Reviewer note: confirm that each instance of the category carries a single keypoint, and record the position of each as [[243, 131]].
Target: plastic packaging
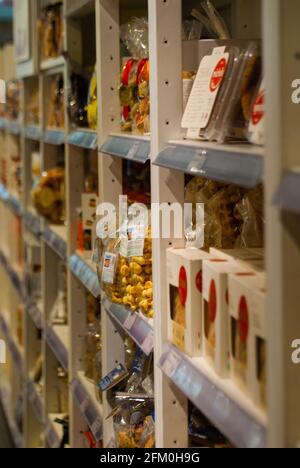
[[231, 113], [32, 110], [251, 211], [135, 36], [49, 195], [50, 27], [12, 107], [56, 113]]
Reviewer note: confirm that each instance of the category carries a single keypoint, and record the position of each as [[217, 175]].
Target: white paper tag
[[171, 364], [109, 267], [148, 344], [207, 84], [2, 92], [130, 321]]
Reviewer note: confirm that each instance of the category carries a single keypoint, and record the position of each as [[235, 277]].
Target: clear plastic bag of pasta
[[250, 210]]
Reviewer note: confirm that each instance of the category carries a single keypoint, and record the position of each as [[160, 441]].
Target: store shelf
[[240, 164], [83, 139], [13, 346], [131, 147], [80, 8], [15, 433], [56, 238], [14, 274], [54, 137], [33, 133], [225, 405], [11, 201], [35, 313], [52, 64], [84, 392], [35, 400], [136, 326], [13, 127], [288, 195], [86, 273], [54, 431], [57, 337], [33, 223]]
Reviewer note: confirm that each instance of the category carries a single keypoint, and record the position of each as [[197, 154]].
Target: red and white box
[[248, 356], [185, 286], [216, 312]]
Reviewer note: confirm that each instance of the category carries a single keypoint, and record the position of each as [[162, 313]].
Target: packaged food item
[[13, 93], [92, 103], [77, 101], [126, 278], [92, 309], [49, 195], [184, 290], [248, 340], [216, 312], [51, 31], [202, 433], [250, 210], [32, 108], [56, 112], [211, 20], [36, 165], [134, 422], [219, 105], [256, 129], [89, 202]]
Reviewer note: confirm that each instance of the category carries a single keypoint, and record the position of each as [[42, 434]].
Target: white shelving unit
[[177, 377]]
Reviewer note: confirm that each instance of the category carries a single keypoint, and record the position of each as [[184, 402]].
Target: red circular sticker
[[212, 302], [183, 286], [243, 320], [218, 75], [258, 108], [199, 282]]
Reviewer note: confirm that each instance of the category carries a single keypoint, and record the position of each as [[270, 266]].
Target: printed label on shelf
[[83, 139], [130, 321], [133, 150], [51, 436], [171, 363], [96, 429], [148, 344]]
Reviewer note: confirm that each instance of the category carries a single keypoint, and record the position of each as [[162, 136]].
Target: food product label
[[183, 286], [212, 302], [109, 267], [257, 120], [207, 84], [132, 244], [243, 320], [178, 336]]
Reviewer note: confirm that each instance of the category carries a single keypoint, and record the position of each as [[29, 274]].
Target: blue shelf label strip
[[83, 139], [288, 194], [56, 243], [242, 169], [33, 133], [84, 273], [54, 137], [127, 148]]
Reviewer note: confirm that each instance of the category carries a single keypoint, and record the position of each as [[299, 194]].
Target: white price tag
[[2, 92], [148, 344], [130, 321], [84, 405], [96, 427], [171, 364]]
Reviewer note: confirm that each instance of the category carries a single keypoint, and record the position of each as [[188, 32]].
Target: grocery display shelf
[[86, 139], [33, 133], [84, 392], [13, 347], [14, 276], [11, 201], [240, 164], [57, 337], [131, 147], [56, 238], [13, 127], [14, 430], [54, 137], [54, 431], [80, 8], [33, 223], [135, 325], [225, 405], [86, 273], [35, 400], [287, 196], [35, 313], [52, 64]]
